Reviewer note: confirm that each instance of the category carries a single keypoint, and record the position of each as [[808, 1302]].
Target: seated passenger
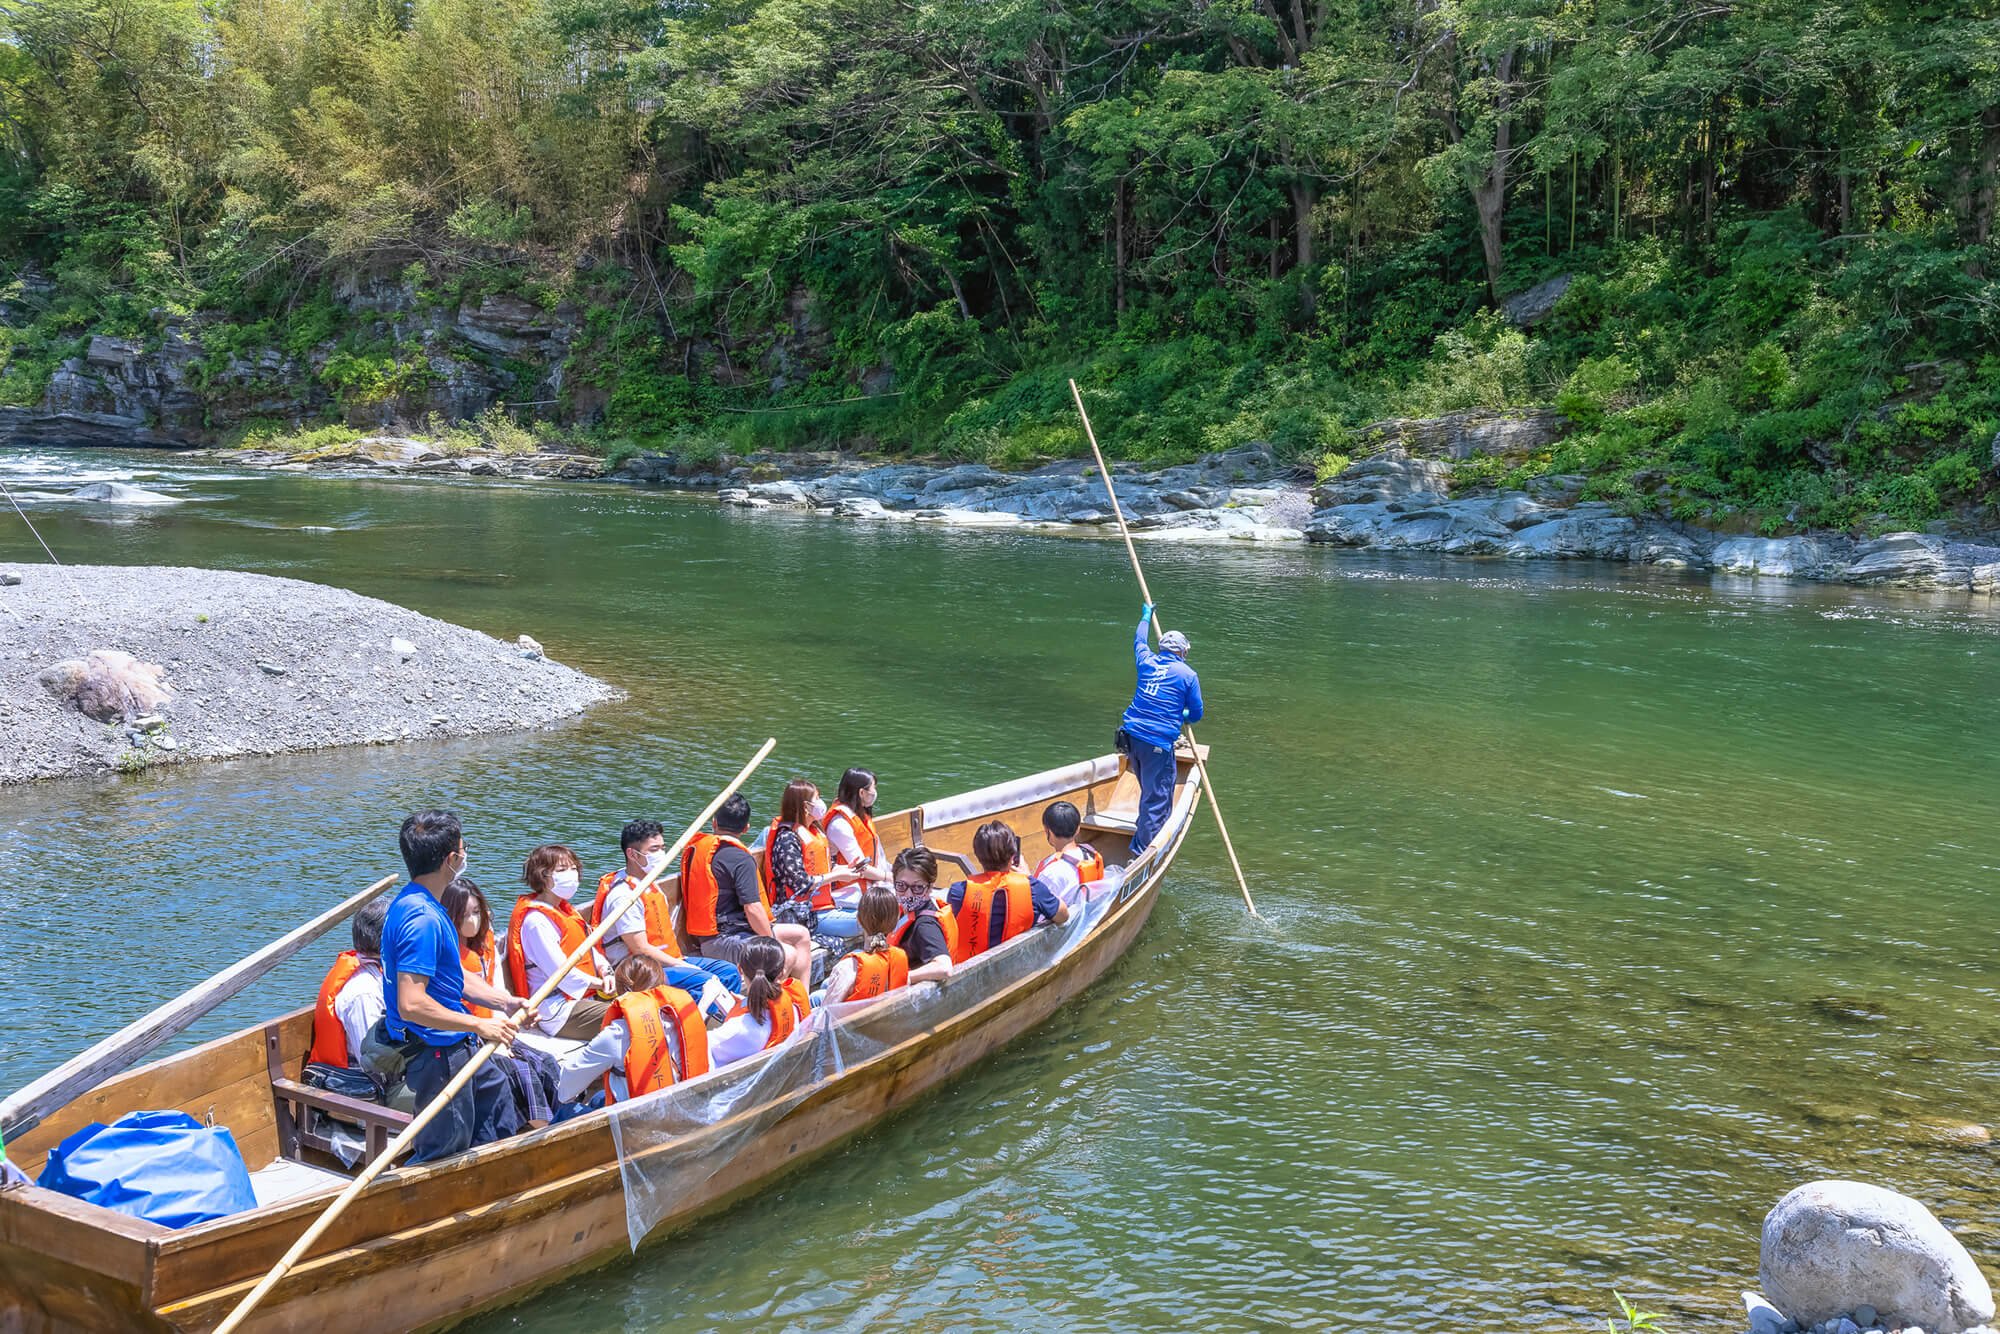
[[725, 901], [465, 903], [850, 833], [645, 925], [532, 1073], [350, 999], [1002, 901], [544, 931], [426, 989], [927, 935], [773, 1005], [1073, 870], [798, 865], [653, 1036], [880, 965]]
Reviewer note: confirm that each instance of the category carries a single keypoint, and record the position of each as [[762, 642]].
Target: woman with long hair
[[798, 865], [773, 1004], [465, 903], [531, 1073], [850, 830]]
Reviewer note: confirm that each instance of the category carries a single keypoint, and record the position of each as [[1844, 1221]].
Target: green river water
[[1602, 908]]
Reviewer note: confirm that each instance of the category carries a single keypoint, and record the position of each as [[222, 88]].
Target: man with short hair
[[425, 987], [1167, 698], [723, 897], [1073, 871], [645, 929]]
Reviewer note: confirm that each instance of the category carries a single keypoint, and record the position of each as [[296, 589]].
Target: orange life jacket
[[649, 1055], [487, 965], [818, 857], [787, 1010], [659, 913], [329, 1045], [945, 921], [975, 912], [862, 827], [699, 887], [567, 922], [877, 973], [1088, 863]]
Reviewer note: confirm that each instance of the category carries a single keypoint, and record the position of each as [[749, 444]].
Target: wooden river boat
[[425, 1247]]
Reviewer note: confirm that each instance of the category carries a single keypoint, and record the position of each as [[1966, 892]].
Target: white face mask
[[464, 864], [656, 862], [563, 885], [817, 810]]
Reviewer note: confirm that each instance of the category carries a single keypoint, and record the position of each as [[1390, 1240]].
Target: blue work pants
[[1155, 768]]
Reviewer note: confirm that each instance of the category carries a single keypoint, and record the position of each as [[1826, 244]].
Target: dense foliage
[[1232, 219]]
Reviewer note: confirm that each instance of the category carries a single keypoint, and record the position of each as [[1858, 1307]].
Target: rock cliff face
[[456, 361]]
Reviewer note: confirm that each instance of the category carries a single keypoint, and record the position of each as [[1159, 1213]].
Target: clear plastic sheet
[[738, 1103]]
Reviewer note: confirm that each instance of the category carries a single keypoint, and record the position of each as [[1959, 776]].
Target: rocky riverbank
[[1394, 500], [117, 668]]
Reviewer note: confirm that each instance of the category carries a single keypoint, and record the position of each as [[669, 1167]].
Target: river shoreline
[[252, 665], [1389, 502]]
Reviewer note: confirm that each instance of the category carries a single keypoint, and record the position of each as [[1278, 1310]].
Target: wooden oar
[[1118, 512], [479, 1058], [26, 1108]]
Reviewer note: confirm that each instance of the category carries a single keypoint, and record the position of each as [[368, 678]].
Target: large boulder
[[1811, 557], [1832, 1246], [118, 493], [1460, 435], [1531, 307], [108, 684], [1393, 475]]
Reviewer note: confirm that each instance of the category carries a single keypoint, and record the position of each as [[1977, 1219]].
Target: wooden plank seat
[[295, 1102]]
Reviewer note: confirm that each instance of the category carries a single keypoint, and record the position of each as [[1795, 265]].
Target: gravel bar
[[257, 665]]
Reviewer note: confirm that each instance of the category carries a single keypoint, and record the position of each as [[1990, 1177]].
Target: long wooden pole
[[1118, 512], [479, 1058], [27, 1107]]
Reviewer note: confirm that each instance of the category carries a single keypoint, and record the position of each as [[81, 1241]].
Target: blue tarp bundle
[[165, 1167]]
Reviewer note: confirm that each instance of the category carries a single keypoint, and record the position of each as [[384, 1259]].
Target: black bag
[[348, 1081], [1121, 742]]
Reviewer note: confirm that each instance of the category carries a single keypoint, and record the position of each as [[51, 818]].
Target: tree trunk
[[1988, 192], [1118, 210], [1304, 198], [1489, 192]]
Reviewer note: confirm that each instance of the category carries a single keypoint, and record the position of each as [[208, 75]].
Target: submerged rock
[[1832, 1246], [117, 493]]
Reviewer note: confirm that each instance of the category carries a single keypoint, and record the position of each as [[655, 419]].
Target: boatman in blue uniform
[[1167, 698]]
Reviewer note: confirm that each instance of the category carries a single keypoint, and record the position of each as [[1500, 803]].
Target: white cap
[[1174, 642]]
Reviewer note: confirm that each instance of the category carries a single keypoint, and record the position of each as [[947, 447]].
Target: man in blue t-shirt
[[1168, 696], [425, 987]]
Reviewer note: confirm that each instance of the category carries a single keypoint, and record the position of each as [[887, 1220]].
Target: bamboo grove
[[1236, 219]]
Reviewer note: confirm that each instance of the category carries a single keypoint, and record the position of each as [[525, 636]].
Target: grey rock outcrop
[[1460, 435], [1832, 1246], [1531, 307], [1388, 476], [1811, 557]]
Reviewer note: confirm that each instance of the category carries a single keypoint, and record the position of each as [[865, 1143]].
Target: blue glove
[[1146, 612]]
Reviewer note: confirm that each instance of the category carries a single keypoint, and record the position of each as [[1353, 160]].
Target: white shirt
[[847, 852], [740, 1037], [605, 1054], [541, 944], [1063, 881], [359, 1003], [629, 922], [841, 980]]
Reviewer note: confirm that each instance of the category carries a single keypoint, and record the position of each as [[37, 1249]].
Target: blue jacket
[[1169, 694]]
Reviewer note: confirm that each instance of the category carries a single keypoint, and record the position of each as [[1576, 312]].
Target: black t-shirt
[[924, 940], [735, 889]]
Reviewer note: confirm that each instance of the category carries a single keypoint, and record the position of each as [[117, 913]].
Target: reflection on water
[[1604, 907]]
